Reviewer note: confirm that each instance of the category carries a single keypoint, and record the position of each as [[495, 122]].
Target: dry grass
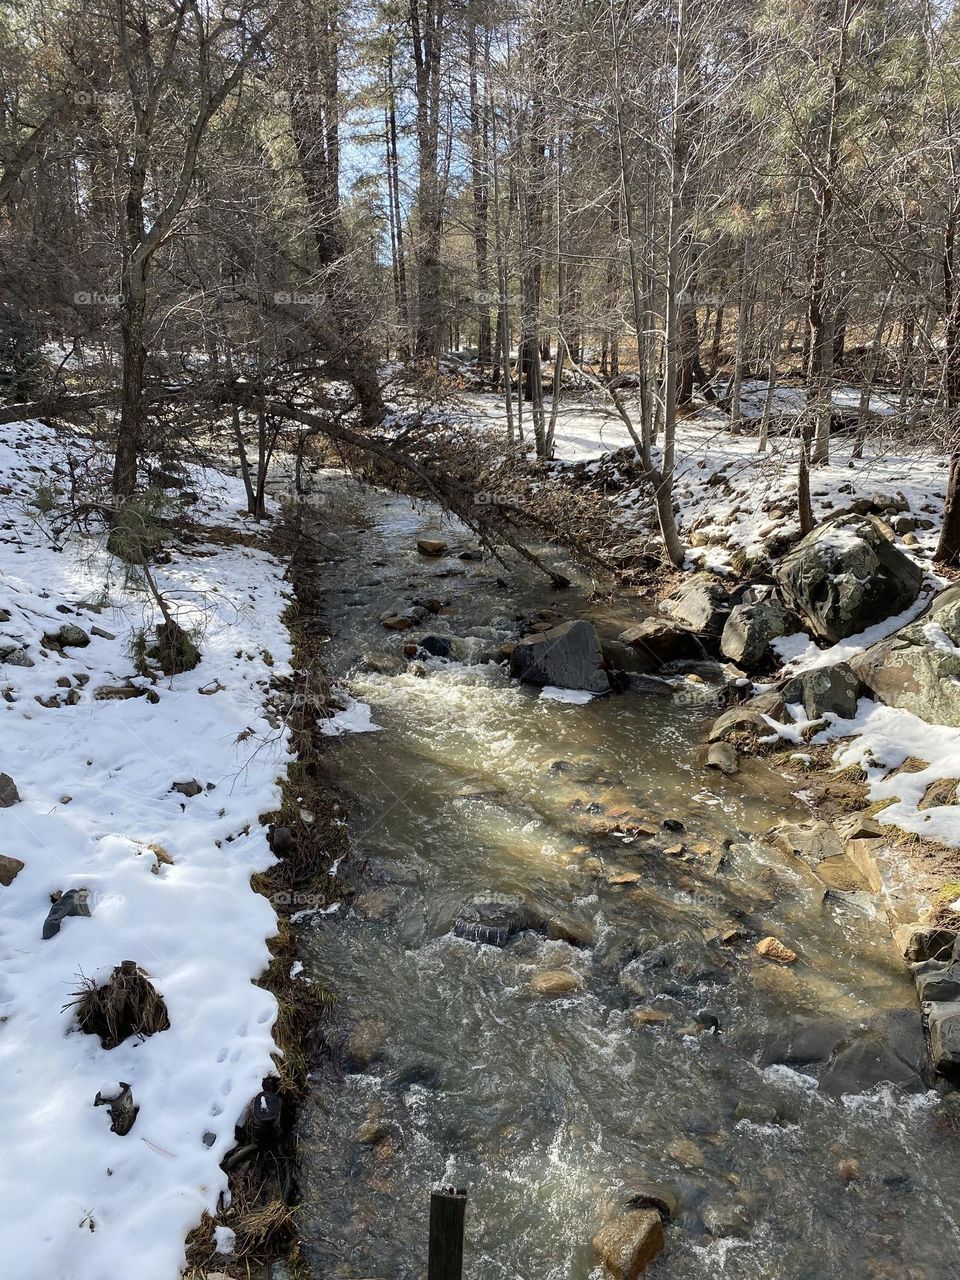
[[126, 1005]]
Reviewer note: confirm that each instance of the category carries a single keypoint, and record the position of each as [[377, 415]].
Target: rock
[[937, 982], [9, 795], [568, 656], [68, 636], [650, 1017], [555, 982], [104, 635], [494, 923], [188, 789], [798, 1042], [629, 658], [437, 646], [723, 756], [727, 1219], [748, 723], [397, 622], [431, 546], [865, 1064], [848, 1170], [750, 628], [71, 903], [700, 603], [917, 942], [943, 1027], [365, 1043], [629, 1243], [662, 641], [382, 664], [16, 657], [653, 1195], [686, 1152], [10, 868], [846, 576], [773, 949], [918, 668], [371, 1132], [832, 689]]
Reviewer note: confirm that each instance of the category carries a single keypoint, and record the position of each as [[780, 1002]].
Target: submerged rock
[[865, 1064], [555, 982], [846, 576], [568, 656], [494, 923]]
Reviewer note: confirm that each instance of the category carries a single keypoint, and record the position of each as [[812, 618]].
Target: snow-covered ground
[[94, 779]]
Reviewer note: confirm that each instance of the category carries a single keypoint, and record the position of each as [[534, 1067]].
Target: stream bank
[[632, 1042]]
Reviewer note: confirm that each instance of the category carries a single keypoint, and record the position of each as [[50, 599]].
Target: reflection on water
[[446, 1062]]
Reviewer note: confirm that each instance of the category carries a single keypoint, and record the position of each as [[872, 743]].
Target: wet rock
[[9, 795], [918, 668], [555, 982], [568, 657], [364, 1044], [372, 1131], [629, 1243], [71, 903], [491, 924], [723, 756], [865, 1064], [653, 1195], [846, 576], [701, 603], [773, 949], [382, 664], [832, 689], [943, 1028], [727, 1219], [749, 723], [378, 904], [630, 660], [686, 1152], [799, 1042], [431, 546], [650, 1017], [937, 981], [10, 868], [398, 622], [918, 942], [661, 641], [848, 1170], [751, 627], [437, 646]]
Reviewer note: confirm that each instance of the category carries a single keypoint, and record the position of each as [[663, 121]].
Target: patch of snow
[[576, 696], [356, 717]]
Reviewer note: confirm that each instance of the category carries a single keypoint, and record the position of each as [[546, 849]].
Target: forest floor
[[143, 794]]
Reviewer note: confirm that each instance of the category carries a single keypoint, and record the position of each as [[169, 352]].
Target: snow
[[356, 717], [95, 782]]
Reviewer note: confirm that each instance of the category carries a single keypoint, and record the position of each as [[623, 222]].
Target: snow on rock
[[95, 777]]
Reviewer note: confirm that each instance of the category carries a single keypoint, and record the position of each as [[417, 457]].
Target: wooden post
[[448, 1211]]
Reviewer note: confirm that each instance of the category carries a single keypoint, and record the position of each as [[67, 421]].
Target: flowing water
[[444, 1062]]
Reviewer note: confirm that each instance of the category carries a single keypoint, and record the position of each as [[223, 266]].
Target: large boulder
[[750, 628], [918, 668], [626, 1245], [846, 576], [701, 603], [824, 689], [661, 641], [568, 656]]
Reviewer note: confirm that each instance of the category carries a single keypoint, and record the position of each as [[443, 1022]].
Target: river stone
[[431, 546], [865, 1064], [9, 795], [653, 1195], [918, 942], [937, 981], [16, 657], [750, 628], [723, 756], [364, 1044], [773, 949], [747, 723], [797, 1043], [555, 982], [624, 657], [918, 668], [437, 646], [943, 1026], [701, 603], [68, 636], [846, 576], [568, 657], [382, 664], [824, 690], [629, 1243], [662, 641], [727, 1219], [10, 868]]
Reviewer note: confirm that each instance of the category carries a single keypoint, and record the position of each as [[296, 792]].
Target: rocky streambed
[[624, 997]]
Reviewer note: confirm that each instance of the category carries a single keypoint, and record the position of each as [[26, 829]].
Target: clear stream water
[[446, 1065]]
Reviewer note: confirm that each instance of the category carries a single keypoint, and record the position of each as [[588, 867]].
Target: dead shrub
[[126, 1005]]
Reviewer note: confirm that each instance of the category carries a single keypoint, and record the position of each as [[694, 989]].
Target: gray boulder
[[701, 603], [824, 689], [661, 641], [750, 628], [568, 656], [747, 724], [846, 576], [918, 668], [943, 1027]]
